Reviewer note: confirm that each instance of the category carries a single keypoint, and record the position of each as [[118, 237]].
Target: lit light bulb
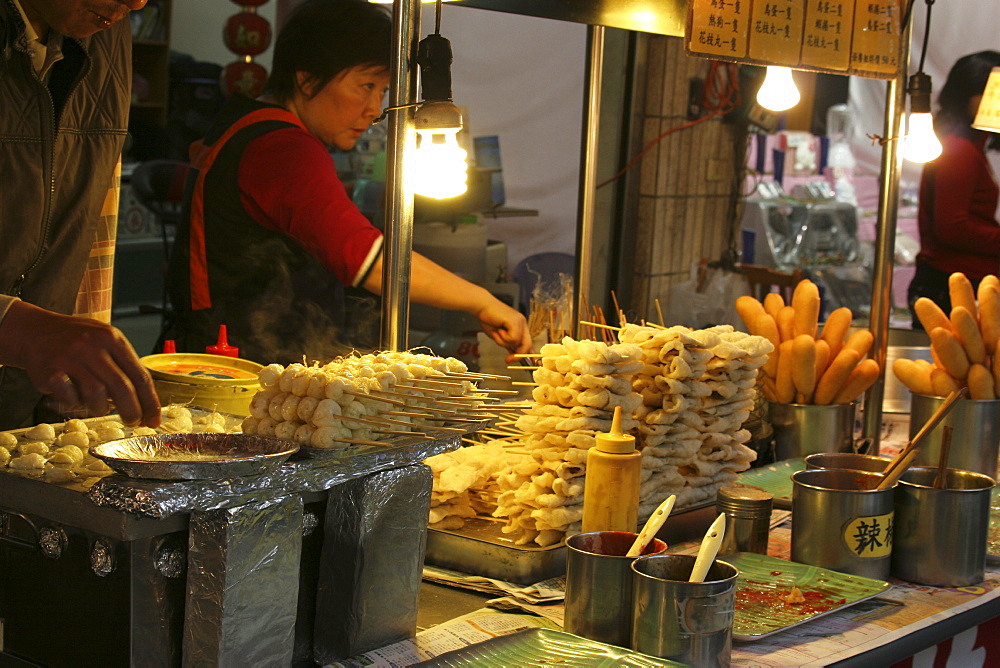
[[920, 143], [440, 167], [778, 92]]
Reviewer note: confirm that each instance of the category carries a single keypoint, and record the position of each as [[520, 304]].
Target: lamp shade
[[988, 116]]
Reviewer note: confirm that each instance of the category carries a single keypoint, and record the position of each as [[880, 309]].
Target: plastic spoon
[[709, 548], [652, 525]]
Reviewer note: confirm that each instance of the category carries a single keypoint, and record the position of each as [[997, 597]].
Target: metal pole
[[398, 244], [588, 175], [895, 105]]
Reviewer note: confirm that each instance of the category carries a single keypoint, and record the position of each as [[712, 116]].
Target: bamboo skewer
[[942, 470], [597, 324]]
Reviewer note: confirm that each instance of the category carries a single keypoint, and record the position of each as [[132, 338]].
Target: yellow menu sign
[[858, 37], [826, 40], [776, 30], [875, 47], [719, 27]]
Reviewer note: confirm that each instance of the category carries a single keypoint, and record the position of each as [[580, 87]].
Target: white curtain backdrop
[[958, 28]]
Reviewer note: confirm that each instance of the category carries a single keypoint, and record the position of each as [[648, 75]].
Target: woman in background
[[270, 236], [958, 191]]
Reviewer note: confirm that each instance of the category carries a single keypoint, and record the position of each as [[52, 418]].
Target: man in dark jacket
[[65, 73]]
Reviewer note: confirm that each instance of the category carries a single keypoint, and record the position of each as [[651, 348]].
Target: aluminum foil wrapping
[[371, 562], [159, 499], [242, 584]]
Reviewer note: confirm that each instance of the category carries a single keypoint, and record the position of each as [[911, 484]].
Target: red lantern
[[247, 34], [250, 3], [243, 77]]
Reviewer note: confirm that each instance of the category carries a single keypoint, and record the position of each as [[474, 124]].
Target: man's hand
[[80, 362]]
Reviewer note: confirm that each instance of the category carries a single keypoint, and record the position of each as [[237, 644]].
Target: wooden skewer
[[526, 355], [395, 432], [428, 381], [525, 368], [466, 375], [406, 414], [423, 389], [597, 324], [374, 422], [659, 311], [358, 441], [942, 470], [526, 384]]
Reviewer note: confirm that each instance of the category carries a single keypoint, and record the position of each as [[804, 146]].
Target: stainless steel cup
[[975, 436], [940, 534], [599, 585], [689, 622], [841, 522], [846, 460], [801, 430]]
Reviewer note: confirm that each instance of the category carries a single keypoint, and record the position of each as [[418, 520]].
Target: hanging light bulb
[[439, 167], [778, 92], [920, 143]]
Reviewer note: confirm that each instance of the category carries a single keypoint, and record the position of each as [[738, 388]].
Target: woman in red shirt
[[270, 236], [958, 191]]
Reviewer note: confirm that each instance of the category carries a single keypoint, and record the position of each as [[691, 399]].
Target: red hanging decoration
[[246, 34]]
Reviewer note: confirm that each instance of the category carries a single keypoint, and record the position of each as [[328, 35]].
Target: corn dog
[[835, 376], [835, 329], [980, 383], [773, 302], [784, 386], [967, 329], [962, 294], [942, 382], [917, 378], [863, 377], [805, 301], [786, 323], [804, 367], [930, 314], [767, 328], [860, 341], [749, 309], [950, 353], [989, 315], [822, 358]]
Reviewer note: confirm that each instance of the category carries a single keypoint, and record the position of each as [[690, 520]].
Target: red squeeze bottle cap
[[222, 346], [169, 347]]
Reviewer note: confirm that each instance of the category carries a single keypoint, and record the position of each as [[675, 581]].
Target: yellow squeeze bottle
[[611, 483]]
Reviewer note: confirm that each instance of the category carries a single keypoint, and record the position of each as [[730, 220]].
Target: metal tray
[[480, 548], [194, 456]]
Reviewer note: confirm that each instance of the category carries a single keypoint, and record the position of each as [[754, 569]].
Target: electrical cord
[[721, 96]]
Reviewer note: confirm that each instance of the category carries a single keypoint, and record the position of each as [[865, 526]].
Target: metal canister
[[748, 518]]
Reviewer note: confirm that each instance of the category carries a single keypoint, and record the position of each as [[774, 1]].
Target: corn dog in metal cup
[[841, 522], [599, 585], [803, 429]]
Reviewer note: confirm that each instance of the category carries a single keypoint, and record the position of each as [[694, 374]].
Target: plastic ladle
[[652, 525], [709, 548]]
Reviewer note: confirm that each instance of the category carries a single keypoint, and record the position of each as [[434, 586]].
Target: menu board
[[826, 42], [776, 30], [719, 27], [859, 37]]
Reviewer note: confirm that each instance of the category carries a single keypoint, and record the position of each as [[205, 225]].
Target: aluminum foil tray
[[480, 548], [198, 456]]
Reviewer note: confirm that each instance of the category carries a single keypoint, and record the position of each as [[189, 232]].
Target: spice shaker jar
[[748, 518]]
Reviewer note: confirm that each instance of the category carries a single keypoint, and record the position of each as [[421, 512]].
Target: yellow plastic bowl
[[212, 382]]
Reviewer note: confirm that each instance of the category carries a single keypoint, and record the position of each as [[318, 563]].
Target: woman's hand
[[505, 326], [80, 362]]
